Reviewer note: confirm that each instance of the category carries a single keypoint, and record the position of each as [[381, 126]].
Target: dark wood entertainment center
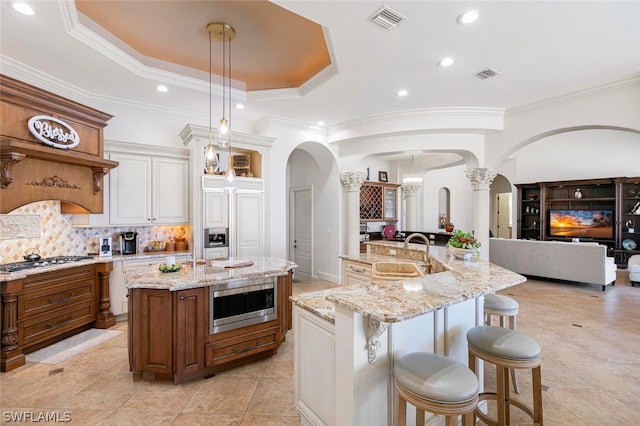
[[619, 195]]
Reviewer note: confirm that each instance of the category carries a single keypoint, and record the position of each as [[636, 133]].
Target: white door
[[302, 235], [249, 224], [504, 215]]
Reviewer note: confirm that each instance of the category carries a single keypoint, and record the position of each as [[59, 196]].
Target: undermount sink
[[395, 270]]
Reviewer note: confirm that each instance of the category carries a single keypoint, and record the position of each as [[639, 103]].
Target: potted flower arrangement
[[463, 245]]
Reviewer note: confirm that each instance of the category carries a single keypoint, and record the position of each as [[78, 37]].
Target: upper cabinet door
[[216, 208], [390, 197], [130, 191], [170, 191]]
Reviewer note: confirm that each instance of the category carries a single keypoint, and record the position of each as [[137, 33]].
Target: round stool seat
[[503, 343], [436, 378], [498, 303]]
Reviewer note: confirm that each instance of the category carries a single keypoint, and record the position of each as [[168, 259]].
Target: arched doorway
[[313, 212]]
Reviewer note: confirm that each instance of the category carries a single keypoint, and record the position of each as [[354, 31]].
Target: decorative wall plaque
[[53, 132], [14, 226]]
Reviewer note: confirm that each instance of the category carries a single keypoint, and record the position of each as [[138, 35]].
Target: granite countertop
[[53, 267], [148, 255], [205, 275], [395, 301], [96, 259]]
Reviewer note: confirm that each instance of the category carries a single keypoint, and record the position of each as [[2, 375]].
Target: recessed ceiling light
[[402, 93], [320, 123], [445, 62], [161, 88], [468, 17], [239, 106], [24, 8]]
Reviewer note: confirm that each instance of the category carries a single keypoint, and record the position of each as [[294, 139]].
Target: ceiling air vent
[[387, 18], [486, 73]]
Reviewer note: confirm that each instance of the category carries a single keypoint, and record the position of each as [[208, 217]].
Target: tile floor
[[591, 371]]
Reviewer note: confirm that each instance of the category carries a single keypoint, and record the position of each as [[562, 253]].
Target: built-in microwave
[[216, 237], [241, 303]]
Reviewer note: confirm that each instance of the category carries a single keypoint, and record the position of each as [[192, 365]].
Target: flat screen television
[[581, 223]]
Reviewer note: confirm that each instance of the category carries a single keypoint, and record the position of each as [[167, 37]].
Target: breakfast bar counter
[[339, 333]]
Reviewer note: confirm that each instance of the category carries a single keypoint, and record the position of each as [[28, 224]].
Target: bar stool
[[437, 384], [505, 308], [507, 349]]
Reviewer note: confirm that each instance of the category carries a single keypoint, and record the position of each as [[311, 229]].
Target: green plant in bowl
[[163, 267], [464, 240]]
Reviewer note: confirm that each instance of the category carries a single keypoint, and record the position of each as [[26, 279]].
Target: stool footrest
[[493, 396]]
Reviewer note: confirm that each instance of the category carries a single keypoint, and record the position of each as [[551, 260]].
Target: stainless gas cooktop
[[46, 261]]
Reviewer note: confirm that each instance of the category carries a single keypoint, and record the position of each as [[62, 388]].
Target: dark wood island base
[[169, 335]]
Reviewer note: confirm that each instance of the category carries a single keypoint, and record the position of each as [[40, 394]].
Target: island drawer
[[241, 346], [43, 327]]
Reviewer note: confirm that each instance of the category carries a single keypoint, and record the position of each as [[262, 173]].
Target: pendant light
[[231, 173], [412, 179], [211, 164], [219, 31]]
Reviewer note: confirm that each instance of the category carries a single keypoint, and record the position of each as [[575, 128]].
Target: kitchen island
[[347, 339], [179, 330]]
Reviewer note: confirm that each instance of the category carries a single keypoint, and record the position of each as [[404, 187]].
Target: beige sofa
[[579, 262]]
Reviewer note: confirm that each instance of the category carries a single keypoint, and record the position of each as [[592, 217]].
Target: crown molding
[[265, 122], [37, 78], [200, 134], [419, 120], [624, 84]]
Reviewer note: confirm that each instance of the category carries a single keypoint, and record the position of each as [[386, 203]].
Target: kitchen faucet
[[426, 248]]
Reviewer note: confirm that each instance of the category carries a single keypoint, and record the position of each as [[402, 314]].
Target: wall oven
[[216, 237], [241, 303]]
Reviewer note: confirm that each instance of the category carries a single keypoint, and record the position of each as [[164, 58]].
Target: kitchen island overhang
[[426, 314], [171, 317]]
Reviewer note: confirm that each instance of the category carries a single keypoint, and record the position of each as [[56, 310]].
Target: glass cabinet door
[[390, 203]]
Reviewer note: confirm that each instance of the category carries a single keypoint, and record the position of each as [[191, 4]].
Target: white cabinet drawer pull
[[353, 268]]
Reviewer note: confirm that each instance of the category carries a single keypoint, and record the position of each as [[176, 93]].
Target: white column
[[352, 181], [481, 179], [409, 192]]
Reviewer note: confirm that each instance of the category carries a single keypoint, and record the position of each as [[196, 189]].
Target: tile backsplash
[[59, 238]]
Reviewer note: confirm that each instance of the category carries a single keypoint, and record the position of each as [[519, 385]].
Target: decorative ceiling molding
[[263, 124], [626, 83], [427, 119], [200, 134]]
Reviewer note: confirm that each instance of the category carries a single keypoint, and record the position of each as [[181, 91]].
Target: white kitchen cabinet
[[117, 289], [248, 238], [216, 209], [149, 190], [245, 212], [314, 387], [355, 273]]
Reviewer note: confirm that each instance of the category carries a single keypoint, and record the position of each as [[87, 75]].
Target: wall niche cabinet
[[614, 201], [378, 202]]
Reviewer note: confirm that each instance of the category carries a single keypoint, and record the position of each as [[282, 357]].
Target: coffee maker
[[129, 242]]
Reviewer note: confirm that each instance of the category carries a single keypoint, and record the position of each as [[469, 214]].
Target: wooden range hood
[[34, 171]]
